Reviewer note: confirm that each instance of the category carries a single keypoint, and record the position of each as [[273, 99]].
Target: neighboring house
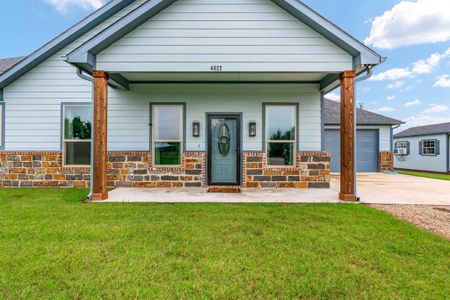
[[182, 94], [423, 148], [374, 151]]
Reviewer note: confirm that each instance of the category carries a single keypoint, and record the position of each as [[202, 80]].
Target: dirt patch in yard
[[433, 218]]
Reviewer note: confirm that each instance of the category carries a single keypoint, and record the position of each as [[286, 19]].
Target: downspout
[[358, 79], [91, 171]]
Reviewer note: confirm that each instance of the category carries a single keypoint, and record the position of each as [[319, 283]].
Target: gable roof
[[332, 113], [62, 41], [8, 63], [424, 130], [84, 56]]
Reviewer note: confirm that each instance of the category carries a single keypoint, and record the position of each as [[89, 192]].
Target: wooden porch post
[[100, 155], [347, 192]]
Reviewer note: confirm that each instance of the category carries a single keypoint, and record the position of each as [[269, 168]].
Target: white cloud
[[442, 81], [411, 22], [421, 120], [392, 74], [423, 66], [413, 103], [390, 98], [64, 6], [437, 108], [395, 85], [333, 96], [384, 109]]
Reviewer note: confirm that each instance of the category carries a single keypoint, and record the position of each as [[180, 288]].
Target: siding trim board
[[3, 131]]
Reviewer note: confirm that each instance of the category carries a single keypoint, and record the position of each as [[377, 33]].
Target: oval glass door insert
[[224, 139]]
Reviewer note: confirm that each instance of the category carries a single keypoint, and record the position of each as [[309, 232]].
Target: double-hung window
[[167, 134], [281, 133], [77, 124], [429, 147]]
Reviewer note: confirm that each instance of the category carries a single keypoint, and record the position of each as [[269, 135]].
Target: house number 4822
[[216, 68]]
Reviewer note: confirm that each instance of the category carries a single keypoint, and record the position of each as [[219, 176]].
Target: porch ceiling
[[224, 77]]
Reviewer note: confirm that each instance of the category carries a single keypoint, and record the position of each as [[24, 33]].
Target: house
[[374, 139], [164, 93], [423, 148]]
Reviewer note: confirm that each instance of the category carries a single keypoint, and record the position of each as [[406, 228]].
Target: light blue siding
[[241, 36], [415, 161], [128, 118]]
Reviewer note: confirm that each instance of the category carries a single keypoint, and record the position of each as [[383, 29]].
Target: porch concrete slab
[[380, 188], [200, 195]]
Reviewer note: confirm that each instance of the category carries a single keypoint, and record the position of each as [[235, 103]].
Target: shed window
[[429, 147], [281, 134], [167, 133], [77, 134]]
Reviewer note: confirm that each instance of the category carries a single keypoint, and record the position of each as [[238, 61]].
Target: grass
[[54, 246], [427, 175]]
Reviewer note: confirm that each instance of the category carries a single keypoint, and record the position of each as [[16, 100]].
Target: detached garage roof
[[425, 130], [8, 63], [332, 112]]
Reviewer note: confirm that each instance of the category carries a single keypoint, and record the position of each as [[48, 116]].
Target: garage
[[367, 149], [373, 138]]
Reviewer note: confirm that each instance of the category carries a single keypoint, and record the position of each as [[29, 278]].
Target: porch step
[[224, 189]]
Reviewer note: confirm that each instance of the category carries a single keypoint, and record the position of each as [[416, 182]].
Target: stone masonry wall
[[39, 169], [134, 169], [312, 170], [125, 169], [386, 161]]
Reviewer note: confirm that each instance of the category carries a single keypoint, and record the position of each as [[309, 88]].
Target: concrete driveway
[[399, 189]]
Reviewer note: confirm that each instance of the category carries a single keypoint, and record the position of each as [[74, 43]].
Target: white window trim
[[434, 148], [154, 130], [268, 141], [64, 140]]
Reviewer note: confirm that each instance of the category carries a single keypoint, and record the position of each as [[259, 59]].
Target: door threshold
[[231, 189]]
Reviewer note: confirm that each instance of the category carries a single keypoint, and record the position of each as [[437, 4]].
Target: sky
[[413, 84]]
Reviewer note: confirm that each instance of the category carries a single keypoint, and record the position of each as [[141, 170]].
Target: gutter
[[369, 69], [91, 171]]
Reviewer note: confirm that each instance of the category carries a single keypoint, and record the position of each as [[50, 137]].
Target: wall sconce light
[[252, 128], [196, 129]]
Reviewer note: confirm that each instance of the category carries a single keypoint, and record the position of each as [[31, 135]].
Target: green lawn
[[427, 175], [54, 246]]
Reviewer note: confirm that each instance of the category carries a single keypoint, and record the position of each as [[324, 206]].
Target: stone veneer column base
[[312, 170], [386, 161]]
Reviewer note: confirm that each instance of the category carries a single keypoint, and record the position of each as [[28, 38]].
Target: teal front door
[[224, 150]]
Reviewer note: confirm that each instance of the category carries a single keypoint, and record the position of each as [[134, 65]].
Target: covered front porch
[[254, 170]]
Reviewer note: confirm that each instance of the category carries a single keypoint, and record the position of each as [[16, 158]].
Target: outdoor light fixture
[[196, 129], [252, 128]]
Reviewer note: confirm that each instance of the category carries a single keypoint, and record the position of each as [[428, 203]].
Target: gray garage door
[[366, 150]]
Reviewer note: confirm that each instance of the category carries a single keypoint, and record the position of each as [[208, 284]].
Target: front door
[[224, 150]]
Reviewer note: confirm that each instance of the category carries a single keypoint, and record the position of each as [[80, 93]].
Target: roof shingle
[[8, 63], [424, 130], [332, 113]]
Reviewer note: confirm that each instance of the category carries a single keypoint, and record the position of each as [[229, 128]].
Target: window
[[428, 147], [167, 134], [281, 134], [401, 145], [2, 118], [77, 134]]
